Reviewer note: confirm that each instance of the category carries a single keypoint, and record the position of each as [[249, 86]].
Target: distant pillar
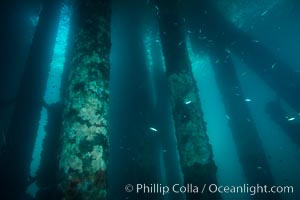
[[209, 25], [249, 145], [195, 152], [85, 138]]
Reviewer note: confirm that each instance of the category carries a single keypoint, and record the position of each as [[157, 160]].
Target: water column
[[44, 157]]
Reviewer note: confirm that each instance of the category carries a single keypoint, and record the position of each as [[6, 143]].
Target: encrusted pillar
[[195, 152], [85, 134]]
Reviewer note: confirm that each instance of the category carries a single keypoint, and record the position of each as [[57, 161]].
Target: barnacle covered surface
[[190, 128], [85, 137]]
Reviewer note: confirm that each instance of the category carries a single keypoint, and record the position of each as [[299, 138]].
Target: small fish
[[264, 13], [227, 116], [153, 129], [189, 31], [217, 61], [255, 41], [200, 31], [248, 100], [291, 118], [164, 151], [187, 102], [259, 168], [273, 66], [156, 7], [180, 43], [157, 41], [228, 51]]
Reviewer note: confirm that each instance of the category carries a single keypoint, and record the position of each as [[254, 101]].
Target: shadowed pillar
[[15, 161], [246, 136]]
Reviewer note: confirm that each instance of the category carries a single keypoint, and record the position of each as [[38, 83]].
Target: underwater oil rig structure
[[107, 95]]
